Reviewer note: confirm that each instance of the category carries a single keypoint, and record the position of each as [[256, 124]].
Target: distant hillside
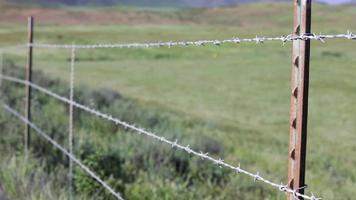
[[153, 3], [159, 3]]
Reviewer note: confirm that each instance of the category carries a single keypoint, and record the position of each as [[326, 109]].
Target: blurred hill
[[234, 15], [153, 3], [17, 12]]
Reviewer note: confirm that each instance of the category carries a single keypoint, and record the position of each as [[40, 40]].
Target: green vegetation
[[233, 98]]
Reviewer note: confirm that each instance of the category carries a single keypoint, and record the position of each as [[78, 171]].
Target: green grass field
[[240, 92]]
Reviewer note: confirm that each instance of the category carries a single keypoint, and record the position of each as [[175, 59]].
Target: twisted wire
[[58, 146], [235, 40], [219, 162], [258, 40]]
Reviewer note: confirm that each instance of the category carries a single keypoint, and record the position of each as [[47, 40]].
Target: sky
[[335, 1]]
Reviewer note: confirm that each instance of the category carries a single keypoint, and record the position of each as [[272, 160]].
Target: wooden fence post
[[70, 135], [27, 135]]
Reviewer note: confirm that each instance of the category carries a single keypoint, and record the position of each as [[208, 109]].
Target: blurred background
[[230, 100]]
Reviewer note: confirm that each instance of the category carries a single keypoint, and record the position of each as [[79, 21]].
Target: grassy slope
[[242, 92], [141, 3]]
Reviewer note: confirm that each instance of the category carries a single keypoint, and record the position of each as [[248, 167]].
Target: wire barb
[[283, 187], [257, 177]]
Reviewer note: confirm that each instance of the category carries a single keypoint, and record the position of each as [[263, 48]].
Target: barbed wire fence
[[174, 144], [219, 162]]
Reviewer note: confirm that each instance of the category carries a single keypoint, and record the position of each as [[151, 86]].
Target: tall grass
[[135, 166]]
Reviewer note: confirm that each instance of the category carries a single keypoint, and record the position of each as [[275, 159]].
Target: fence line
[[300, 37], [235, 40], [219, 162], [58, 146]]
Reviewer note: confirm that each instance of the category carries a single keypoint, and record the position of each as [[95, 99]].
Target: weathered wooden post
[[70, 136], [27, 136]]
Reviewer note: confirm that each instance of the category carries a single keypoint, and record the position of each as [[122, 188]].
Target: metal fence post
[[299, 97], [27, 136], [70, 136]]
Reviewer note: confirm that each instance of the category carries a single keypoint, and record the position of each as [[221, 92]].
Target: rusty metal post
[[27, 136], [299, 98]]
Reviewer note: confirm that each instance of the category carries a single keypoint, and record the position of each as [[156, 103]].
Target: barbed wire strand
[[70, 135], [58, 146], [235, 40], [219, 162]]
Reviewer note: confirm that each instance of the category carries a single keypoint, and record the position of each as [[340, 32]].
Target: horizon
[[335, 2]]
